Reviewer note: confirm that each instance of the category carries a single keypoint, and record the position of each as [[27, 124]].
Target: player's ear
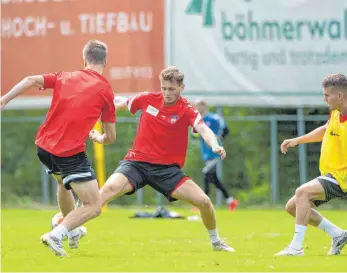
[[340, 96], [182, 86]]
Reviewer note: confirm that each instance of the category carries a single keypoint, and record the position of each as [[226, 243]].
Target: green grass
[[117, 243]]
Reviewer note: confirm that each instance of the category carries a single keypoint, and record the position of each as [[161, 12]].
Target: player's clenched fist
[[288, 143], [94, 135], [219, 150]]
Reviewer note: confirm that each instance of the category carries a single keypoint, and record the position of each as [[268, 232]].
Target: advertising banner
[[42, 36], [257, 52]]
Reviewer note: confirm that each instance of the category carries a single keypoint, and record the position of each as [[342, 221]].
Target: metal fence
[[254, 170]]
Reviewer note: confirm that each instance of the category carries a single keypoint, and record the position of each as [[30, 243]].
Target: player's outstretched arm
[[120, 102], [314, 136], [210, 138], [22, 86]]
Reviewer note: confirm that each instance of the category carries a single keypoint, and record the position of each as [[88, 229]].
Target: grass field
[[117, 243]]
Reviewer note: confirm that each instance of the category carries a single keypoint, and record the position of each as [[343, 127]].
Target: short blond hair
[[172, 74], [95, 52]]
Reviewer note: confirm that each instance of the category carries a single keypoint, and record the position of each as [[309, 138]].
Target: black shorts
[[163, 178], [332, 190], [74, 168]]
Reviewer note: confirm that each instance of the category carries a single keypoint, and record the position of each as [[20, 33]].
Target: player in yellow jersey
[[333, 166]]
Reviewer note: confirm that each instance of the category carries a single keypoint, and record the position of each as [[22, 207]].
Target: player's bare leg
[[304, 196], [315, 216], [88, 193], [338, 235], [116, 185], [190, 192], [66, 200]]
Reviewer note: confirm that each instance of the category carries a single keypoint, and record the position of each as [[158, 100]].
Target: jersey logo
[[173, 118], [333, 134], [152, 110]]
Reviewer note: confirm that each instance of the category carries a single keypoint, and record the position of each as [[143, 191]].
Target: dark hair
[[335, 81], [172, 74], [94, 52]]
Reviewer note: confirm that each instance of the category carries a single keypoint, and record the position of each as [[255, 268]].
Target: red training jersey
[[79, 99], [162, 134]]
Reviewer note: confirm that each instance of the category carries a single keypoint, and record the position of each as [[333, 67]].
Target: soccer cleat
[[54, 244], [73, 241], [288, 251], [222, 246], [337, 244], [233, 205]]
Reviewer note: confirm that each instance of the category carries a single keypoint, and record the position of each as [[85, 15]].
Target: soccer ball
[[58, 219]]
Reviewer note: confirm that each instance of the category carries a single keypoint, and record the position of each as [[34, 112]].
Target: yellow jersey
[[333, 159]]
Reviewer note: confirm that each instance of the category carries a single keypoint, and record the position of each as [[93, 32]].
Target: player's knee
[[110, 190], [301, 193], [290, 207], [94, 206], [204, 202]]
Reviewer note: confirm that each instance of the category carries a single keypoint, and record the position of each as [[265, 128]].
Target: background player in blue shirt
[[211, 159]]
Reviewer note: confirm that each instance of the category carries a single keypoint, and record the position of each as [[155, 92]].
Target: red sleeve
[[194, 117], [138, 102], [49, 80], [108, 113]]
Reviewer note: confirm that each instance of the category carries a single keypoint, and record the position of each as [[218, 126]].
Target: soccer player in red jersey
[[80, 98], [159, 150]]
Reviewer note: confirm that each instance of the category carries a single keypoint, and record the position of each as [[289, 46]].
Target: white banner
[[260, 52]]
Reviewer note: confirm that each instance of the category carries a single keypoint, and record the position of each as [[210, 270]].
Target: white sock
[[330, 228], [59, 232], [229, 200], [74, 232], [214, 236], [298, 237]]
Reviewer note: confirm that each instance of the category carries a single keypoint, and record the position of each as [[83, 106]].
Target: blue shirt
[[216, 124]]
